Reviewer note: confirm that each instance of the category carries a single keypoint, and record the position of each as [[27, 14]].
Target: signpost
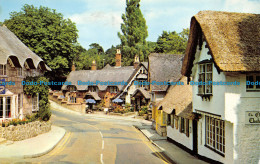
[[2, 86]]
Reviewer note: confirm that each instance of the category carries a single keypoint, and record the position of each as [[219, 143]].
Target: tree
[[134, 33], [47, 34], [172, 42], [97, 47]]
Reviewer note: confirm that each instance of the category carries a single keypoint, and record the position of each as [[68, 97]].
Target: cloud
[[112, 19], [249, 6]]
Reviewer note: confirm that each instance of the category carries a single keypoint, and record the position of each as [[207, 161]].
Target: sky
[[98, 21]]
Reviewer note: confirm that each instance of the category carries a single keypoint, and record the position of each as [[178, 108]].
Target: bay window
[[215, 134]]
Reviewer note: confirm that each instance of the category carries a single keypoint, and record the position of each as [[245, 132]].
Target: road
[[98, 140]]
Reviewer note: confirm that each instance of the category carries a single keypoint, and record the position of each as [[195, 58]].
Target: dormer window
[[72, 88], [205, 79], [113, 89], [2, 69], [19, 71], [92, 88]]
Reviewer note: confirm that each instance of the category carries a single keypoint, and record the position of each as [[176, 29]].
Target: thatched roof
[[11, 46], [179, 100], [233, 40], [143, 92], [94, 95], [112, 74], [164, 67]]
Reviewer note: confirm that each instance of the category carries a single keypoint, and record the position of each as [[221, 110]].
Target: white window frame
[[3, 70], [215, 134], [19, 71], [254, 87], [204, 73], [35, 103], [73, 99]]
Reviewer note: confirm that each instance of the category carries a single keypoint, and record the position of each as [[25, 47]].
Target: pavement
[[172, 151], [33, 147]]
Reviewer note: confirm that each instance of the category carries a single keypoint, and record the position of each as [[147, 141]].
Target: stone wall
[[21, 132]]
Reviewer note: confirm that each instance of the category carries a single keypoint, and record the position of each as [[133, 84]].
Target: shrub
[[44, 112]]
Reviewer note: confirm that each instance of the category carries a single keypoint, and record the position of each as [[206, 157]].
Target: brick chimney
[[73, 68], [136, 62], [94, 65], [118, 58]]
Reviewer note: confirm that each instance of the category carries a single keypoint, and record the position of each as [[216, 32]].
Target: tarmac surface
[[94, 138]]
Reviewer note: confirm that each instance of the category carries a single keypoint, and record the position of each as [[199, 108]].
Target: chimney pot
[[94, 65], [73, 67]]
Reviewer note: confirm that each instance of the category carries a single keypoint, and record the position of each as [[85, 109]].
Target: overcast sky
[[98, 21]]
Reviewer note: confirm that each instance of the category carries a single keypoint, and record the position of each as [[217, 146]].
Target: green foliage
[[44, 112], [47, 34], [172, 42], [134, 33], [144, 110], [16, 122]]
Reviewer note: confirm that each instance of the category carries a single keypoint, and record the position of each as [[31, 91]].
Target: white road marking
[[103, 144], [101, 134], [101, 159]]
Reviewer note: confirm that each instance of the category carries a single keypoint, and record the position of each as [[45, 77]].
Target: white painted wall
[[231, 102], [217, 90], [204, 151], [179, 137]]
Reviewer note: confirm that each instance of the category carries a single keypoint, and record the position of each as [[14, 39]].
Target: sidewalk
[[33, 147], [175, 153]]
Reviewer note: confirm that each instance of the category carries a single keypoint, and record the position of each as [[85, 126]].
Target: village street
[[97, 140]]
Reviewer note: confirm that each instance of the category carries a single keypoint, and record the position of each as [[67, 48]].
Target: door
[[195, 136]]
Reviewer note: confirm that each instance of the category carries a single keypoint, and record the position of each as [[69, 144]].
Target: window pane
[[8, 107], [258, 79], [251, 79], [1, 107], [209, 67]]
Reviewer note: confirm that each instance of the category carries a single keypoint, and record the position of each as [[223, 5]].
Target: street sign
[[2, 86]]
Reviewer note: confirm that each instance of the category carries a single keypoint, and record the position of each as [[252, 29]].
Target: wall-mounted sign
[[2, 86], [253, 117]]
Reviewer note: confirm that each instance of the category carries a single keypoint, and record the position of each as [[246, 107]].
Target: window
[[141, 83], [113, 89], [184, 126], [169, 119], [20, 101], [252, 82], [8, 107], [2, 69], [215, 134], [35, 103], [72, 88], [19, 71], [205, 76], [73, 100], [92, 89], [172, 120], [1, 107]]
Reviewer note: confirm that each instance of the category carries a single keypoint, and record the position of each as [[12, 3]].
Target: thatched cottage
[[162, 68], [94, 84], [16, 62], [223, 53]]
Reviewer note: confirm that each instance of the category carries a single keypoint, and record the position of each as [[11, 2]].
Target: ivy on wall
[[34, 85]]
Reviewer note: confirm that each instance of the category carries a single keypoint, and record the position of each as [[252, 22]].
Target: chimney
[[136, 62], [73, 68], [118, 58], [94, 65]]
